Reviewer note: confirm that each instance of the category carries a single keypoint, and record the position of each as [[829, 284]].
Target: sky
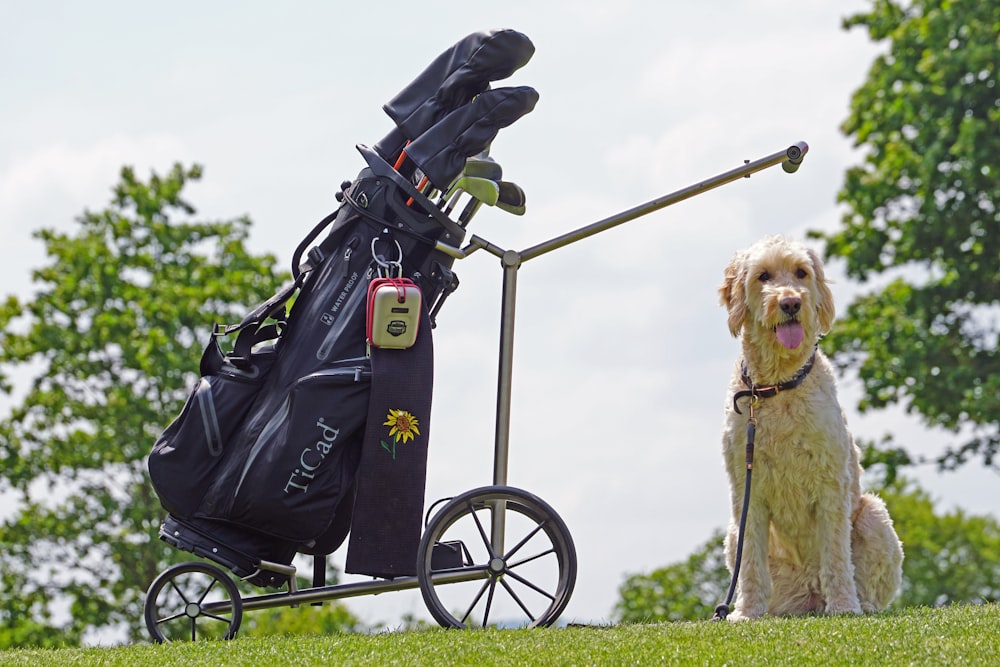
[[622, 353]]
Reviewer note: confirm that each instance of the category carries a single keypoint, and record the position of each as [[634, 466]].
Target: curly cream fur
[[814, 542]]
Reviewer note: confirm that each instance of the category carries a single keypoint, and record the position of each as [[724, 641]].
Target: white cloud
[[53, 184], [79, 173]]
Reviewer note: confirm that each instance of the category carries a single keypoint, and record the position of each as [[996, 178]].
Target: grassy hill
[[962, 635]]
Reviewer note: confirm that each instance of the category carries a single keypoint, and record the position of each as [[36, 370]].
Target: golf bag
[[311, 422]]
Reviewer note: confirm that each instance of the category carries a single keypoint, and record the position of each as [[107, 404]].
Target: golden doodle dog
[[813, 542]]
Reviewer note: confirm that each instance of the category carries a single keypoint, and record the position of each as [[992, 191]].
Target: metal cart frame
[[199, 598]]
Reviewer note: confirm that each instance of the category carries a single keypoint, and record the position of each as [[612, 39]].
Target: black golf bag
[[300, 429]]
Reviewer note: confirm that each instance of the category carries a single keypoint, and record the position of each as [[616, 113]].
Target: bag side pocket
[[185, 455], [305, 458]]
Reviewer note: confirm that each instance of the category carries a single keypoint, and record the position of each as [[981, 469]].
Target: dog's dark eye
[[801, 274], [764, 277]]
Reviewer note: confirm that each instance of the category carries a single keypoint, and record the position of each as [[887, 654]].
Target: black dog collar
[[774, 389]]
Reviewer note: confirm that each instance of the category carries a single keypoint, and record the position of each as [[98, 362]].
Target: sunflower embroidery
[[404, 427]]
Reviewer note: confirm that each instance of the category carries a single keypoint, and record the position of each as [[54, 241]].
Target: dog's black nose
[[790, 305]]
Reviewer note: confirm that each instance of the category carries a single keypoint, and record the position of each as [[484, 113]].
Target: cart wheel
[[496, 556], [193, 600]]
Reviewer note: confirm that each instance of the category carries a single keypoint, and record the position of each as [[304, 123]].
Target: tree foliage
[[323, 619], [110, 341], [688, 590], [328, 619], [949, 558], [922, 218]]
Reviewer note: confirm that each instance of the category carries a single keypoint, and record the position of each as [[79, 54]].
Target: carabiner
[[392, 268]]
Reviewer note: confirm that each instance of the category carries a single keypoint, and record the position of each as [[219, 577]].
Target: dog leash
[[755, 394], [722, 610]]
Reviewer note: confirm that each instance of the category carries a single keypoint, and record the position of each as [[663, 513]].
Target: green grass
[[961, 635]]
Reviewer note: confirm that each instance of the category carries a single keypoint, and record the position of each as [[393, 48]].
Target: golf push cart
[[308, 425]]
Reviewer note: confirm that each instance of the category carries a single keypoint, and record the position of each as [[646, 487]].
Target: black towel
[[388, 509]]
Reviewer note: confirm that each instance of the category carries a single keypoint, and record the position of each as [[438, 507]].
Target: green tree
[[949, 558], [310, 619], [688, 590], [329, 619], [922, 218], [112, 337]]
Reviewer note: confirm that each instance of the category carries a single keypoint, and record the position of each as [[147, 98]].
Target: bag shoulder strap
[[251, 330]]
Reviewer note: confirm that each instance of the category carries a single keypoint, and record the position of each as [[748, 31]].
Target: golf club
[[511, 198], [481, 189]]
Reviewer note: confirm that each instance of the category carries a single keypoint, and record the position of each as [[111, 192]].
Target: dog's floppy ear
[[825, 308], [732, 293]]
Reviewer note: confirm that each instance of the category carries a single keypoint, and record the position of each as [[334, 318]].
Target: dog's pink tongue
[[790, 334]]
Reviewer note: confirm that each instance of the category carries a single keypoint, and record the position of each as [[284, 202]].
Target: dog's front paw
[[843, 607], [741, 613], [868, 607]]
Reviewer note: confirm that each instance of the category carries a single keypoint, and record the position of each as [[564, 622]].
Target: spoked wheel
[[496, 556], [191, 601]]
